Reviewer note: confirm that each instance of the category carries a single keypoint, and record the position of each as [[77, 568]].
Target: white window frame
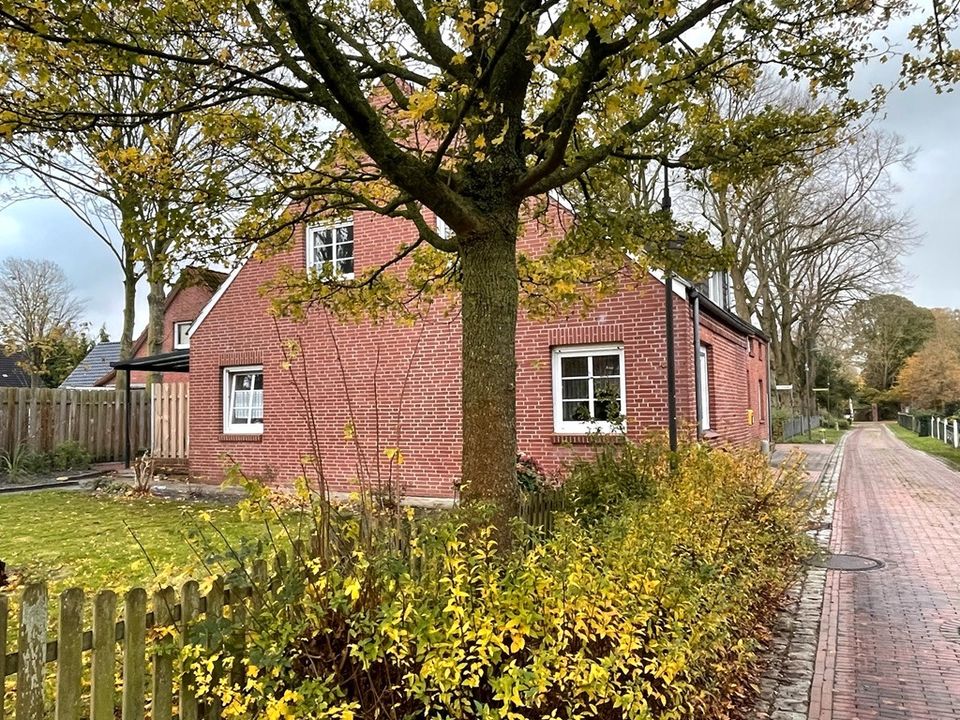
[[179, 344], [332, 227], [443, 230], [703, 401], [581, 427], [230, 428]]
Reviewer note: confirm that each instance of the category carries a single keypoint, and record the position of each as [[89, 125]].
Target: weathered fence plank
[[134, 654], [189, 611], [103, 660], [31, 653], [4, 609], [69, 655], [163, 602]]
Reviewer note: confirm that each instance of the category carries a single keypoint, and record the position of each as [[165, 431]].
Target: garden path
[[889, 643]]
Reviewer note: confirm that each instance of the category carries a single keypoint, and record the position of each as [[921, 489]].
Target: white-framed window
[[181, 335], [243, 400], [703, 401], [443, 230], [330, 248], [588, 389]]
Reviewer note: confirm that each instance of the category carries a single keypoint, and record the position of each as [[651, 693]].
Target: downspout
[[671, 366], [769, 398], [127, 397], [697, 379]]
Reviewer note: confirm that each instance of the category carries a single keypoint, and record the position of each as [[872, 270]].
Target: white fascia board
[[218, 294]]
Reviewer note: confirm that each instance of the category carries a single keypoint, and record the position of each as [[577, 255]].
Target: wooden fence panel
[[170, 413], [41, 419]]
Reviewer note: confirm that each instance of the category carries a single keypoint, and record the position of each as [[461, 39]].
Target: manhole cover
[[844, 562]]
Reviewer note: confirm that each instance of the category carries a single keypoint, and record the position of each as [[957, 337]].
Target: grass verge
[[826, 435], [929, 445]]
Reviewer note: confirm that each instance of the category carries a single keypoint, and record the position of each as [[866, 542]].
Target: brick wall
[[185, 305], [369, 387]]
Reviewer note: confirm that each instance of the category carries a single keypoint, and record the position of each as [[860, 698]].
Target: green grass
[[75, 539], [828, 434], [929, 445]]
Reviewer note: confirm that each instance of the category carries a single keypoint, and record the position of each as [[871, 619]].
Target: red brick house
[[371, 390], [189, 295]]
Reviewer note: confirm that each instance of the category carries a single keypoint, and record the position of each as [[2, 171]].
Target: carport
[[176, 361]]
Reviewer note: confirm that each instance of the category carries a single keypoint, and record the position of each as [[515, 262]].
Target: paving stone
[[886, 649]]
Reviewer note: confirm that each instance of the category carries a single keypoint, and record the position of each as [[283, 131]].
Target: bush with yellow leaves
[[655, 610]]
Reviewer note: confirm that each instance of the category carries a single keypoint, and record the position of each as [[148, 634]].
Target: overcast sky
[[928, 122]]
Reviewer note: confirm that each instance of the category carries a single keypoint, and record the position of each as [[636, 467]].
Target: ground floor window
[[703, 401], [243, 399], [588, 389]]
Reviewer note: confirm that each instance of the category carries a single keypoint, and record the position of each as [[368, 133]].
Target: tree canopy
[[464, 110]]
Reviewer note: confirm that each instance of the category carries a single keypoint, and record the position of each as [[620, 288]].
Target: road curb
[[787, 680]]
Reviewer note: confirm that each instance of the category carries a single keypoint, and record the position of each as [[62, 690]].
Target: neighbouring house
[[359, 395], [192, 291], [98, 363], [12, 373]]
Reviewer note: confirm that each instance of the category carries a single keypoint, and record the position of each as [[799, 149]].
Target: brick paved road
[[890, 638]]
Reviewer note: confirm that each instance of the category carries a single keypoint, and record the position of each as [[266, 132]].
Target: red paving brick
[[890, 638]]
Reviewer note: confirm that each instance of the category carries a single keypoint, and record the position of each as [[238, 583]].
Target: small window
[[761, 401], [243, 400], [443, 230], [704, 400], [588, 389], [330, 249], [181, 335]]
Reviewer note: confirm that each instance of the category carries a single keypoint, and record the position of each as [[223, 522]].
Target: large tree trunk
[[129, 315], [490, 298], [156, 300]]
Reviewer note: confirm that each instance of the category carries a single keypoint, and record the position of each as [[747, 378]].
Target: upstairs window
[[588, 389], [181, 335], [243, 400], [330, 249]]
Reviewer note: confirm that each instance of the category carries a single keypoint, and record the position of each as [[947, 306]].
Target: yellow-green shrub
[[655, 611]]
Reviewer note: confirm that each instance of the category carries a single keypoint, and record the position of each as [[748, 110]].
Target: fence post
[[69, 654], [32, 653], [956, 438]]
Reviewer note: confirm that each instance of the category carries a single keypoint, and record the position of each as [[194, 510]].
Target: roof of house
[[94, 366], [11, 374]]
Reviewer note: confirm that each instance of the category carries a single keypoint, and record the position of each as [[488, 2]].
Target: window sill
[[241, 437], [591, 439]]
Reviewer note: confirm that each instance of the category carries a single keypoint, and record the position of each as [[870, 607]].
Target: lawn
[[92, 541], [929, 445], [829, 435]]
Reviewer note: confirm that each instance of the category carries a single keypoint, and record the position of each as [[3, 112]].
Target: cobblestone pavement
[[889, 645], [784, 689]]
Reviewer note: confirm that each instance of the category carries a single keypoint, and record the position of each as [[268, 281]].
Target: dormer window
[[330, 249]]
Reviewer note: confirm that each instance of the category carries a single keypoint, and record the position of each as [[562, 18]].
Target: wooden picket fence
[[171, 421], [150, 674], [40, 419]]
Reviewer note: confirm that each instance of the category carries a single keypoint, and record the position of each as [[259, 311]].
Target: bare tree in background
[[38, 308], [809, 240]]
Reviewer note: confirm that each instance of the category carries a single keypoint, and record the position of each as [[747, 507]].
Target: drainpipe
[[697, 379], [127, 396], [671, 366], [769, 397]]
